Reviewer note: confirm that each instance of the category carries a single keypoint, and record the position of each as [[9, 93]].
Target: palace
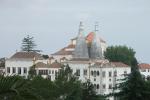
[[84, 55]]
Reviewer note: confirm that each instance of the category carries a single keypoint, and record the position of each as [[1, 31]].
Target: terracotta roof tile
[[41, 65], [120, 64], [90, 37], [26, 55], [55, 65], [144, 66]]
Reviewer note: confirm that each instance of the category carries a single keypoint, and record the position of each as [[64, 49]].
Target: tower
[[81, 50], [96, 49]]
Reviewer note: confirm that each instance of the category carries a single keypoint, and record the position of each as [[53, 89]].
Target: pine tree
[[133, 86], [28, 44]]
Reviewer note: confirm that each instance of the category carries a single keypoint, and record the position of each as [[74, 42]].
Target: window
[[19, 70], [110, 74], [24, 70], [49, 71], [52, 71], [143, 70], [97, 73], [97, 86], [104, 86], [94, 79], [115, 73], [110, 86], [103, 73], [85, 72], [94, 86], [125, 72], [13, 70], [8, 69], [55, 72], [43, 72], [92, 73], [78, 72]]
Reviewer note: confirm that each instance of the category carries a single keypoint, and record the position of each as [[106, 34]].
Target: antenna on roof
[[81, 28], [96, 27]]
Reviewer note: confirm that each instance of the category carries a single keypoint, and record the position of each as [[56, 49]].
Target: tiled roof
[[55, 65], [144, 66], [63, 52], [119, 64], [26, 55], [41, 65], [90, 37], [71, 46]]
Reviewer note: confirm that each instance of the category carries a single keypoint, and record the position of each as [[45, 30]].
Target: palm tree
[[13, 88]]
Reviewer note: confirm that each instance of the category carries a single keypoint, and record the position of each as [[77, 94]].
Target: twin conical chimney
[[96, 49], [81, 50]]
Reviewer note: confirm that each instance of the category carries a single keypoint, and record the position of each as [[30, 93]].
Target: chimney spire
[[96, 27]]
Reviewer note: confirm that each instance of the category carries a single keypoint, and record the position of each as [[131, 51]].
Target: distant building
[[68, 51], [84, 55], [20, 63], [145, 70], [88, 63], [48, 70]]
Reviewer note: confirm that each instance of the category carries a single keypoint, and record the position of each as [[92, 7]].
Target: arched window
[[97, 86], [97, 73], [92, 73]]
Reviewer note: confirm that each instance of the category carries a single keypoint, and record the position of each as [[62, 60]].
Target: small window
[[103, 73], [14, 70], [78, 72], [25, 70], [104, 86], [92, 73], [143, 70], [19, 70], [94, 79], [85, 72], [110, 74], [97, 73], [125, 72], [97, 86], [49, 71], [110, 86], [8, 69], [115, 73], [52, 71]]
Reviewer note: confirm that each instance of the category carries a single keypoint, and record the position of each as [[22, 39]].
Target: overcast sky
[[54, 22]]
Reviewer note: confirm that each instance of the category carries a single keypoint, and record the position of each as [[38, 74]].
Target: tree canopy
[[120, 54], [28, 44]]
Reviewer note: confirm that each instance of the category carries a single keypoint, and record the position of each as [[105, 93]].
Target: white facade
[[145, 70], [18, 66], [103, 76]]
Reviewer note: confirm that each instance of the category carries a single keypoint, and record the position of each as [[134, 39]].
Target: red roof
[[120, 64], [90, 37], [144, 66], [26, 55]]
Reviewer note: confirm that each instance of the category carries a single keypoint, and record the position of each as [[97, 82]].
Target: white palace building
[[84, 55]]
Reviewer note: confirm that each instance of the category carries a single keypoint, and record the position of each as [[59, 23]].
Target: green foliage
[[32, 72], [28, 44], [120, 54], [133, 87], [65, 87], [12, 88], [88, 92], [45, 56]]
